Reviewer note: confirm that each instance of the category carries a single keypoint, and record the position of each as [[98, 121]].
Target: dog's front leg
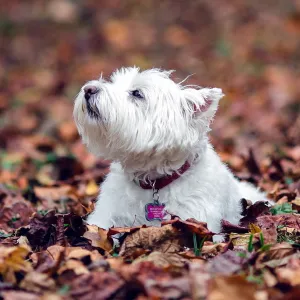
[[102, 216]]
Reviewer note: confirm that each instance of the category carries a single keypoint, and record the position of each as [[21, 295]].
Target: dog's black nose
[[90, 90]]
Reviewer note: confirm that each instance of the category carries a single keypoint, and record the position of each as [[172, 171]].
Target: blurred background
[[250, 49]]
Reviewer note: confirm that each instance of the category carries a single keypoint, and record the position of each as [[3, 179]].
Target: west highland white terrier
[[155, 132]]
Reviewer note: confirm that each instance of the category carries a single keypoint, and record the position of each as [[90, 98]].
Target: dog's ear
[[203, 103]]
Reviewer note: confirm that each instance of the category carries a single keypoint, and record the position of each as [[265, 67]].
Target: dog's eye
[[137, 94]]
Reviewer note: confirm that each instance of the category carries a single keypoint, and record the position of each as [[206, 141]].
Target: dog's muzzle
[[90, 90]]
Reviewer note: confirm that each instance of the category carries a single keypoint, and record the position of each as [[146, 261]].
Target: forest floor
[[48, 180]]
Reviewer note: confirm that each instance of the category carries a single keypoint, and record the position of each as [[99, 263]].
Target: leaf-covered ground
[[48, 181]]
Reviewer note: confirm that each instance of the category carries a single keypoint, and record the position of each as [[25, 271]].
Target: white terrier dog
[[155, 132]]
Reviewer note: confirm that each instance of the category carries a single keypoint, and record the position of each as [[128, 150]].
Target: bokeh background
[[250, 49]]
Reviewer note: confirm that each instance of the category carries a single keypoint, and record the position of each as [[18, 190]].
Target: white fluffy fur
[[154, 136]]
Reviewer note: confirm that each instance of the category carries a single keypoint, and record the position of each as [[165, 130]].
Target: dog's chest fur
[[207, 192]]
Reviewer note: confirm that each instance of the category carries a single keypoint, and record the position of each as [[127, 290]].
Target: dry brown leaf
[[14, 212], [164, 260], [279, 251], [274, 263], [165, 239], [173, 288], [68, 131], [37, 282], [240, 240], [51, 296], [54, 252], [115, 263], [190, 225], [269, 225], [269, 278], [210, 249], [199, 278], [12, 259], [177, 36], [278, 255], [19, 295], [99, 237], [296, 204], [79, 253], [230, 287], [117, 32], [229, 262], [288, 276], [48, 261], [87, 286], [53, 193], [73, 265], [118, 230]]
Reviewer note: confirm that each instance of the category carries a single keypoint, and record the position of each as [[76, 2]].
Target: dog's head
[[144, 119]]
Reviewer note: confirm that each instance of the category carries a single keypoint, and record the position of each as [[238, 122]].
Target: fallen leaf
[[68, 131], [210, 249], [199, 278], [53, 193], [275, 256], [82, 254], [230, 287], [240, 241], [37, 282], [23, 241], [268, 225], [92, 188], [76, 266], [176, 288], [254, 228], [259, 208], [165, 239], [229, 262], [48, 261], [190, 225], [87, 286], [296, 204], [227, 227], [12, 259], [119, 230], [288, 276], [42, 232], [99, 238], [51, 228], [274, 263], [14, 210], [289, 220], [163, 260], [19, 295]]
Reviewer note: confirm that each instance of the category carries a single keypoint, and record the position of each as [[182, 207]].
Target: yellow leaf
[[92, 188], [254, 228], [12, 259], [240, 239]]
